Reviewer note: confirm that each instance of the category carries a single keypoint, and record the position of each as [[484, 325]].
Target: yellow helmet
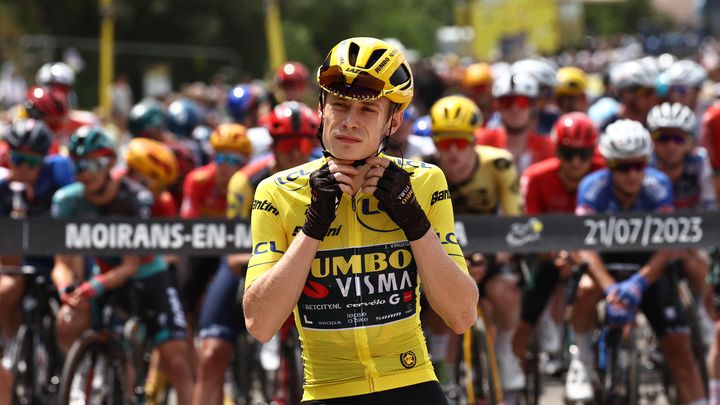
[[477, 74], [455, 114], [364, 68], [154, 161], [231, 138], [571, 81]]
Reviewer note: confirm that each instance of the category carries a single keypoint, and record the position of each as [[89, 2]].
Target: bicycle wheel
[[622, 381], [475, 368], [24, 368], [533, 383], [93, 373]]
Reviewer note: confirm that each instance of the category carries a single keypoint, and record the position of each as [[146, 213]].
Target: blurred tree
[[628, 16]]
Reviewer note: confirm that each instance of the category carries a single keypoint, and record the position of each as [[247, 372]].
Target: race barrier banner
[[544, 233]]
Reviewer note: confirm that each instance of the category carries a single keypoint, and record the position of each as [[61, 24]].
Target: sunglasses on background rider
[[445, 142], [627, 166], [92, 165], [290, 144], [232, 159], [509, 101], [664, 137], [568, 154], [31, 160]]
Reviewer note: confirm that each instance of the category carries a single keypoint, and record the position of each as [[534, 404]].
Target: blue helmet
[[182, 117], [242, 99], [422, 126]]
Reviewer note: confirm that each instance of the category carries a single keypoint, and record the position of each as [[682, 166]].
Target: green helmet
[[90, 142], [146, 117]]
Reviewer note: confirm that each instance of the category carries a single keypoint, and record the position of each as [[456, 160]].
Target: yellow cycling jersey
[[359, 313], [241, 187], [494, 184]]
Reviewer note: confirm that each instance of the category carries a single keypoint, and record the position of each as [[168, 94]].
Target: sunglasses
[[680, 90], [667, 137], [91, 165], [445, 143], [232, 159], [568, 154], [290, 144], [644, 91], [509, 101], [626, 167], [30, 160], [363, 86]]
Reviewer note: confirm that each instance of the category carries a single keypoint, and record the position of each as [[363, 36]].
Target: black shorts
[[427, 393]]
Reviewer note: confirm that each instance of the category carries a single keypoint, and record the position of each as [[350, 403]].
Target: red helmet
[[575, 130], [42, 102], [292, 74], [292, 118], [710, 132]]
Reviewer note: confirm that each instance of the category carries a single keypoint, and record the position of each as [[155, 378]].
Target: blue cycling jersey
[[694, 188], [595, 193]]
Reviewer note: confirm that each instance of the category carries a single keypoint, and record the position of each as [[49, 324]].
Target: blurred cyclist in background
[[570, 90]]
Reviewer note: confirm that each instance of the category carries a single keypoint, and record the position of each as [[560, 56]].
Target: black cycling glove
[[398, 198], [325, 196]]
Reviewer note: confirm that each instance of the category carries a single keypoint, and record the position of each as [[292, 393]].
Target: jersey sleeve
[[585, 205], [508, 185], [708, 198], [530, 192], [63, 171], [190, 206], [239, 197], [268, 235], [663, 196], [437, 204], [62, 206]]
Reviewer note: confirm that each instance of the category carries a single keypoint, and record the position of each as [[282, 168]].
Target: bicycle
[[108, 365], [36, 357], [475, 366]]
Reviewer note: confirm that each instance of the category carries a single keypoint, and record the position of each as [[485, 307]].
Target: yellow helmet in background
[[478, 74], [455, 114], [364, 68], [231, 138], [154, 161], [571, 81]]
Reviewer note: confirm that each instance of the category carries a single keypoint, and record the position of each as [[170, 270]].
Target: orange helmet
[[231, 138], [154, 161], [477, 74]]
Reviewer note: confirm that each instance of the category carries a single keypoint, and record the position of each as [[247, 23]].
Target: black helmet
[[29, 136]]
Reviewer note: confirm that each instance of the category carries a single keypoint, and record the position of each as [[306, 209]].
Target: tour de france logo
[[408, 359]]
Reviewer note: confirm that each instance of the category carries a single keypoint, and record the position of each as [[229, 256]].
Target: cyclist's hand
[[391, 186], [347, 176], [324, 200], [618, 314], [630, 291], [477, 266], [564, 263]]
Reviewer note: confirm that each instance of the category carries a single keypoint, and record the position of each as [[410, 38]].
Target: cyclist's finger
[[378, 161]]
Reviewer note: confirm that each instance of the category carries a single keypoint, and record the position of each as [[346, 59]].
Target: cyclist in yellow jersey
[[482, 180], [349, 239]]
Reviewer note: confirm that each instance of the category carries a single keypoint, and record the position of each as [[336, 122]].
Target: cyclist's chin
[[355, 151]]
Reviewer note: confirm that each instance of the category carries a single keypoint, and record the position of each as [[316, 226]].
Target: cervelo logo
[[522, 233], [290, 181]]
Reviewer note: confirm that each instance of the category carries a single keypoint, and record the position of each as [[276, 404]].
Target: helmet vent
[[353, 51], [374, 57], [400, 76]]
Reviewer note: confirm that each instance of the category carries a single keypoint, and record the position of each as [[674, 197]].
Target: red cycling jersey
[[541, 189], [539, 147], [200, 196]]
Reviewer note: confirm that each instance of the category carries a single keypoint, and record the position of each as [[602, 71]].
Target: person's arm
[[190, 205], [100, 283], [270, 299], [68, 270], [451, 292], [506, 177], [596, 268]]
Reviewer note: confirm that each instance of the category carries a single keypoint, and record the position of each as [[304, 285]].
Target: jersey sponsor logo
[[371, 215], [522, 233], [439, 196], [358, 287], [332, 231], [290, 181], [412, 163], [408, 359], [266, 247], [448, 239], [382, 64], [353, 70], [502, 164], [265, 205]]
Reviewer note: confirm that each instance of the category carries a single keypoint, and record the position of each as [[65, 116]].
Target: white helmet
[[632, 73], [625, 139], [519, 84], [55, 73], [675, 115], [542, 70], [686, 73]]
